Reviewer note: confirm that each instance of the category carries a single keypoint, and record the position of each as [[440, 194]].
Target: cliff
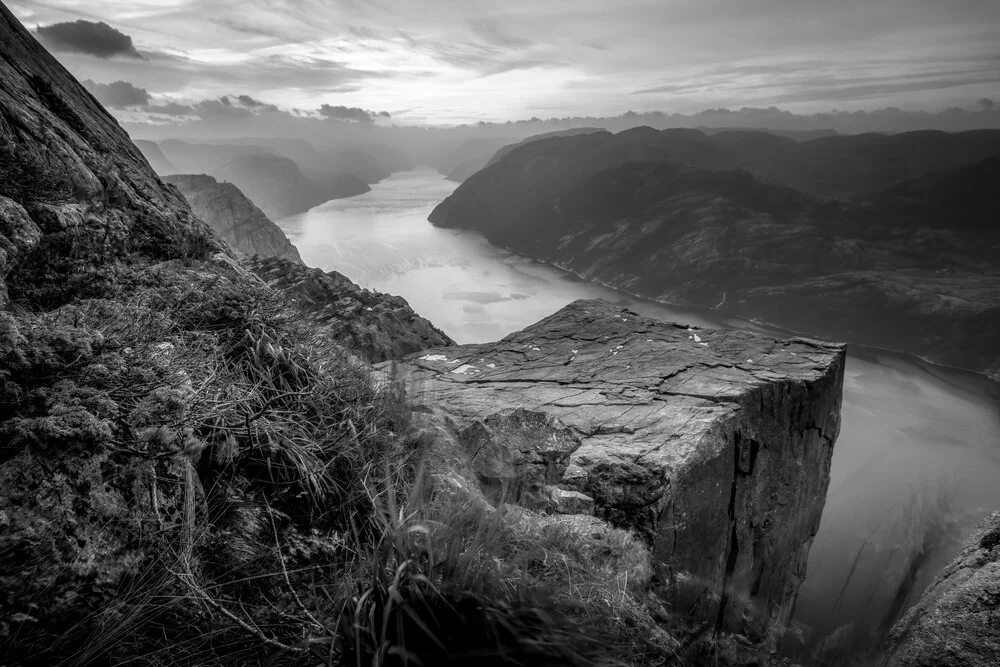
[[374, 325], [278, 186], [234, 217], [662, 215], [955, 621], [713, 445]]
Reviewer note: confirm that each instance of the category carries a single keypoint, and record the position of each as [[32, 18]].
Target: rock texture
[[234, 217], [714, 445], [377, 326], [665, 215], [957, 620], [72, 182]]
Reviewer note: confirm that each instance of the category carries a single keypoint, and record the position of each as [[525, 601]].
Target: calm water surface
[[916, 466]]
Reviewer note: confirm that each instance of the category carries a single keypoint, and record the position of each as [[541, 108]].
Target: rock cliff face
[[663, 215], [234, 217], [73, 184], [376, 326], [955, 622], [714, 445]]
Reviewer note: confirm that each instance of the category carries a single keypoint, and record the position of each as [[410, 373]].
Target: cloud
[[87, 37], [118, 94], [171, 109], [352, 114], [221, 108], [255, 105]]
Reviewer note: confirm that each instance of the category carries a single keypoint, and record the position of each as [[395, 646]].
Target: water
[[916, 466]]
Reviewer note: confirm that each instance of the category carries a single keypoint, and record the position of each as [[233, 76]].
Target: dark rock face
[[714, 445], [234, 217], [71, 181], [377, 326], [955, 622], [663, 215]]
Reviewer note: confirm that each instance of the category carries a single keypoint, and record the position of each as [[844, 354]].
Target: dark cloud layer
[[118, 94], [95, 39], [354, 114]]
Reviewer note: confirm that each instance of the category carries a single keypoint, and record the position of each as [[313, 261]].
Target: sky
[[442, 62]]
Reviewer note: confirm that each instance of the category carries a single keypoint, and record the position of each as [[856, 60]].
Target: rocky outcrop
[[714, 445], [663, 215], [73, 184], [956, 621], [376, 326], [234, 217]]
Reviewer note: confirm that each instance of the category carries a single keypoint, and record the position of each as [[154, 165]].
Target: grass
[[192, 477]]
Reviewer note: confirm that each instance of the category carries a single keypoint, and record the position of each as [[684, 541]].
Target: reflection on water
[[917, 463]]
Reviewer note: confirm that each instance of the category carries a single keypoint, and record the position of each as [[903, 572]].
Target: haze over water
[[916, 466]]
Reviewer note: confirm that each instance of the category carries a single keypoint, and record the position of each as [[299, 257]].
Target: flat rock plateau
[[713, 445]]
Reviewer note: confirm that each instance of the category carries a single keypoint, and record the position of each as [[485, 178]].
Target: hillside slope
[[911, 267]]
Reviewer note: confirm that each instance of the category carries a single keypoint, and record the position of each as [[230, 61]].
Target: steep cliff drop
[[234, 217], [955, 622], [714, 445]]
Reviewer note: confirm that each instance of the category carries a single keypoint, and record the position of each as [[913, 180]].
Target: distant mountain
[[465, 158], [353, 160], [914, 266], [390, 158], [234, 217], [539, 137], [205, 158], [279, 188], [155, 157]]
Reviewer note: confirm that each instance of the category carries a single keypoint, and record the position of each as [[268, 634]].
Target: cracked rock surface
[[713, 445]]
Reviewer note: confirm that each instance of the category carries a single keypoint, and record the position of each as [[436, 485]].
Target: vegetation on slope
[[190, 476]]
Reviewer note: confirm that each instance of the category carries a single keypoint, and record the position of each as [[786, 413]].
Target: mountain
[[504, 150], [465, 158], [205, 158], [355, 161], [278, 186], [911, 267], [234, 217], [157, 160]]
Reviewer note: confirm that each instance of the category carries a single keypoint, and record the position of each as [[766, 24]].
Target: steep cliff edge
[[955, 621], [665, 216], [714, 445], [234, 217]]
